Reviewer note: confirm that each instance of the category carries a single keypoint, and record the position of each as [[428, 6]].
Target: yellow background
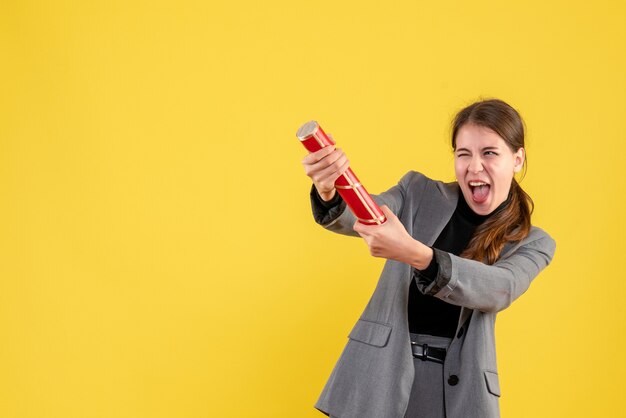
[[158, 257]]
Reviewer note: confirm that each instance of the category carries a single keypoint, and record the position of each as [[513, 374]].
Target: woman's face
[[484, 166]]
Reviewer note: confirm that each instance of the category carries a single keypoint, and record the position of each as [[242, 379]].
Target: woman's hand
[[391, 241], [324, 167]]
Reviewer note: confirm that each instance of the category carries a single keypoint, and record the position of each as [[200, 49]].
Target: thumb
[[388, 213]]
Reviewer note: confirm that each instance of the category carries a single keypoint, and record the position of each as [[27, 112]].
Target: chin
[[480, 209], [482, 212]]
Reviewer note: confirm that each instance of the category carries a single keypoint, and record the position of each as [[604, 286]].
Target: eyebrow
[[484, 149]]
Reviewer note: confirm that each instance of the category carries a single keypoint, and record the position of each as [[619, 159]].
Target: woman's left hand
[[389, 240]]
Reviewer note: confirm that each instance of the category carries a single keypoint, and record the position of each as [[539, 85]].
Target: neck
[[472, 216]]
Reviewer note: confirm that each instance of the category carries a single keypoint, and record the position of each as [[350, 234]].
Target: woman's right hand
[[324, 167]]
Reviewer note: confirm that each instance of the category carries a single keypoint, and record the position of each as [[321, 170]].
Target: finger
[[388, 212], [363, 230], [334, 170], [318, 155], [343, 168], [334, 156], [325, 176]]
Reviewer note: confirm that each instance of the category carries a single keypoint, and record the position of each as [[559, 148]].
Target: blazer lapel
[[435, 211]]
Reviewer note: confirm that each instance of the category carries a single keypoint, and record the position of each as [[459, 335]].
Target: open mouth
[[480, 191]]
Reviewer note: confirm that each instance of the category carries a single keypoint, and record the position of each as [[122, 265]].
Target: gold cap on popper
[[307, 130]]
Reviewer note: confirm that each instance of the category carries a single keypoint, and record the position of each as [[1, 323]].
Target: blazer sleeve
[[340, 219], [490, 288]]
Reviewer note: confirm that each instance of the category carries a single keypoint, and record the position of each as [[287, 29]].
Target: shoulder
[[413, 176], [416, 179], [537, 240], [418, 183], [541, 237]]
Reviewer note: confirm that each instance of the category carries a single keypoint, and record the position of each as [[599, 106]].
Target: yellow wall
[[158, 257]]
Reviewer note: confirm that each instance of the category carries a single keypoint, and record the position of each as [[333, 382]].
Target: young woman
[[457, 254]]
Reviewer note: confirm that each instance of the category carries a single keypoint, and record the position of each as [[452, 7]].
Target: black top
[[431, 315], [426, 314]]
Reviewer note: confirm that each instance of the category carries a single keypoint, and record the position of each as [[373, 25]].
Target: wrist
[[327, 196], [420, 255]]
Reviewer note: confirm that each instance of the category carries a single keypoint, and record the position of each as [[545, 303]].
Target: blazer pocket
[[493, 384], [369, 332]]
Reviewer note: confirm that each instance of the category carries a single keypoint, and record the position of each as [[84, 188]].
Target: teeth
[[477, 183]]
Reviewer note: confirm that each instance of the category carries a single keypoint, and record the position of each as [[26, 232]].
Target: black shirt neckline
[[472, 217]]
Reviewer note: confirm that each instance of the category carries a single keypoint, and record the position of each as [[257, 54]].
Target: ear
[[518, 159]]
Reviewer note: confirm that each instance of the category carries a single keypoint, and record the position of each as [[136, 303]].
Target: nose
[[476, 164]]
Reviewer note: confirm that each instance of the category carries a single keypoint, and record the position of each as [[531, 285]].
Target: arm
[[340, 219], [489, 288], [325, 211]]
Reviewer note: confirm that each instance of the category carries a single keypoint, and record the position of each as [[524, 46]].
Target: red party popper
[[348, 185]]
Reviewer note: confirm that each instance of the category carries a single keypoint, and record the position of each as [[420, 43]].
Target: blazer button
[[460, 333], [453, 380]]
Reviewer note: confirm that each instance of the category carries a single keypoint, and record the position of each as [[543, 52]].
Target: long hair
[[512, 222]]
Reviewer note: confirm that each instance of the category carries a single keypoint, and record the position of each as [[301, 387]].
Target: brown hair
[[512, 222]]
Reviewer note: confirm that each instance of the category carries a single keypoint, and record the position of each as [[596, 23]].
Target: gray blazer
[[374, 374]]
